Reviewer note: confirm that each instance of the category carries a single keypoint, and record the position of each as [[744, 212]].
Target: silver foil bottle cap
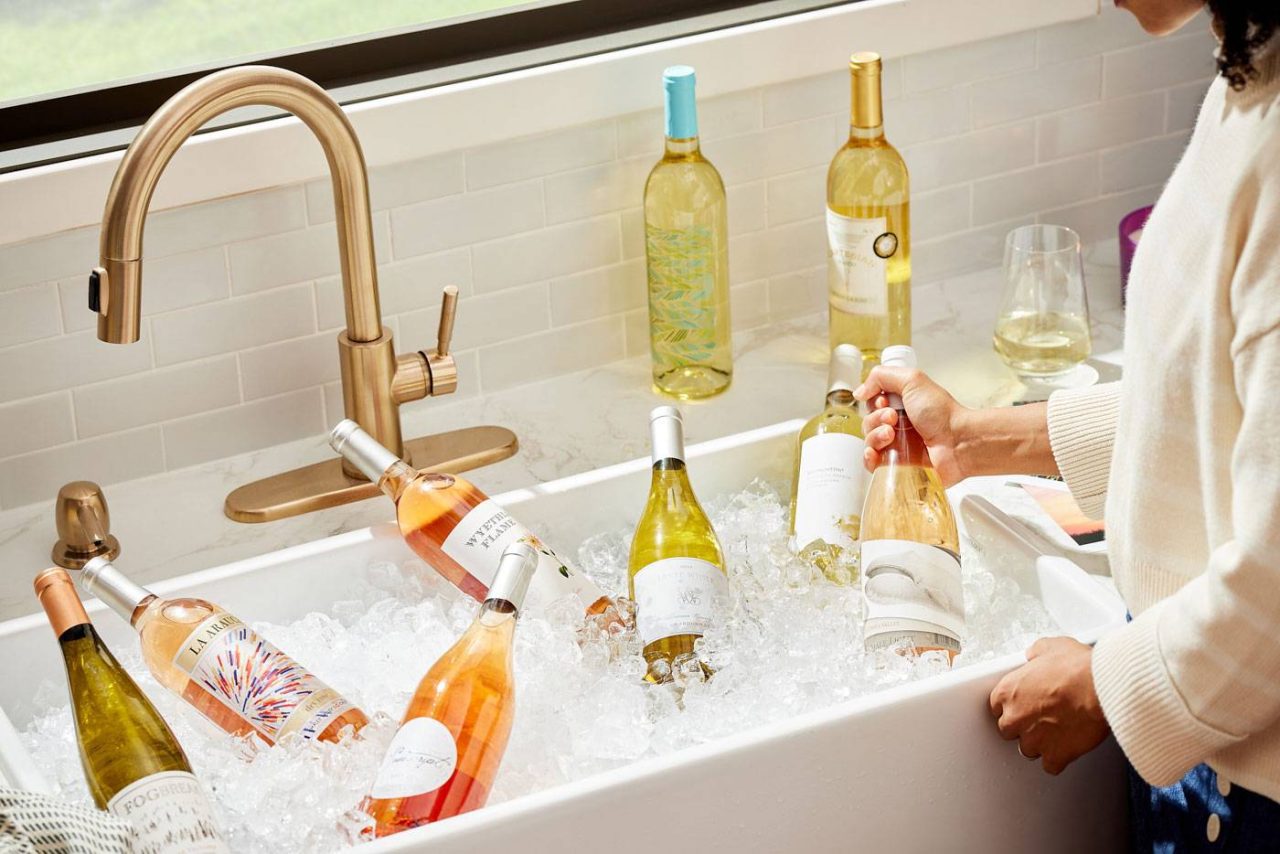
[[898, 356], [362, 450], [515, 571], [666, 432], [99, 577], [844, 373]]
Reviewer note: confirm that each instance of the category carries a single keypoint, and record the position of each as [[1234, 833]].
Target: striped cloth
[[39, 824]]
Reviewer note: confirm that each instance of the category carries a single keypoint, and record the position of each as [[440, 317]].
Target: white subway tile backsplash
[[105, 460], [170, 282], [1030, 190], [69, 253], [395, 185], [1142, 164], [484, 319], [230, 325], [409, 285], [553, 251], [598, 293], [289, 365], [52, 364], [29, 314], [36, 423], [1076, 123], [532, 157], [1156, 65], [1100, 125], [797, 195], [460, 220], [1183, 105], [940, 213], [559, 351], [1099, 219], [953, 66], [797, 294], [924, 116], [748, 207], [220, 222], [596, 190], [749, 305], [1031, 93], [1076, 39], [974, 155], [247, 427], [753, 156], [161, 395]]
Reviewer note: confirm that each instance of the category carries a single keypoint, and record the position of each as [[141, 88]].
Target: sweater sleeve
[[1200, 671], [1082, 432]]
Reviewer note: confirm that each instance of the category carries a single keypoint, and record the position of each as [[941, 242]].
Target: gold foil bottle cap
[[57, 594], [865, 62]]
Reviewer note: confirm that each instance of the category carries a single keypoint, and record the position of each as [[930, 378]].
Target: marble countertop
[[172, 523]]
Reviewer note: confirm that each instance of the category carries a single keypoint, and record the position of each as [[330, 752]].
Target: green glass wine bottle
[[687, 253], [135, 767]]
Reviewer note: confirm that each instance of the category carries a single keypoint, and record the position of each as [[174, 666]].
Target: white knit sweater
[[1185, 452]]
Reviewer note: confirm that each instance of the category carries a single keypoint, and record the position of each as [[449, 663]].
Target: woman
[[1185, 451]]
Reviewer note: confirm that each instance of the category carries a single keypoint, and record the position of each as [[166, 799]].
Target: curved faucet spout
[[116, 286]]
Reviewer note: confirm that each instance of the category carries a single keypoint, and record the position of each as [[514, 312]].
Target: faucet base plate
[[324, 485]]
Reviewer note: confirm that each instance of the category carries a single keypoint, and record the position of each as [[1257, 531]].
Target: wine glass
[[1043, 327]]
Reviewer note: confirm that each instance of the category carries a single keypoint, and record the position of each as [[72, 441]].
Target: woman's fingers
[[880, 438], [870, 458], [883, 380], [887, 415]]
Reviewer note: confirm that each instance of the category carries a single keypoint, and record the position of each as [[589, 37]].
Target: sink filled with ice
[[792, 644], [799, 741]]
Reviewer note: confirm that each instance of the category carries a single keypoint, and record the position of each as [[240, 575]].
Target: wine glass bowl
[[1043, 325]]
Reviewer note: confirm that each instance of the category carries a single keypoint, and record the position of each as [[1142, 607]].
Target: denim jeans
[[1194, 815]]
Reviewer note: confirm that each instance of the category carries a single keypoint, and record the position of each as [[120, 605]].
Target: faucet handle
[[448, 313]]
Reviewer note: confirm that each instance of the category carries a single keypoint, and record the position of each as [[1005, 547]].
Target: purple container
[[1130, 230]]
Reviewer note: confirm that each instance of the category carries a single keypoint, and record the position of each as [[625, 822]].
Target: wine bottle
[[445, 756], [135, 767], [910, 558], [219, 665], [456, 528], [830, 480], [677, 572], [687, 252], [868, 227]]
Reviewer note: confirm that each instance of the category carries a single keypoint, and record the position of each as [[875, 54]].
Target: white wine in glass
[[1043, 327]]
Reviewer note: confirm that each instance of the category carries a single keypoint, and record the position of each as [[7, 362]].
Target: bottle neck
[[57, 595], [111, 586], [681, 113], [866, 114], [681, 148], [666, 437], [396, 479], [841, 398], [908, 449]]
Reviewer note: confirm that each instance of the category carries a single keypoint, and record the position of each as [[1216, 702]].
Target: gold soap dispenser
[[84, 526]]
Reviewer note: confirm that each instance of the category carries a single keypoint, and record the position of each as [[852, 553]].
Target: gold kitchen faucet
[[374, 380]]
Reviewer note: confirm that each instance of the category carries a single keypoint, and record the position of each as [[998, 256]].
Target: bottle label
[[478, 541], [682, 304], [169, 812], [911, 587], [266, 688], [857, 263], [830, 487], [420, 759], [678, 596]]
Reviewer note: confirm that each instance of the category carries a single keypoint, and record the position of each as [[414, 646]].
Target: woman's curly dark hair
[[1245, 27]]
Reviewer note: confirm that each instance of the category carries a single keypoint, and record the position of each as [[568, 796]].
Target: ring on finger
[[1023, 754]]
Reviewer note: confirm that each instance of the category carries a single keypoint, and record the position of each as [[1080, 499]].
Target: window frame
[[377, 65]]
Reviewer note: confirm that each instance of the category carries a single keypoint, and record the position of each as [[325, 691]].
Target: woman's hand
[[1049, 704], [934, 413]]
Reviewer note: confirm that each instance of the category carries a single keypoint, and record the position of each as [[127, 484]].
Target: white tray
[[913, 768]]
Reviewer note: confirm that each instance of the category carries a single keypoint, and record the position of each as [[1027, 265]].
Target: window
[[85, 70]]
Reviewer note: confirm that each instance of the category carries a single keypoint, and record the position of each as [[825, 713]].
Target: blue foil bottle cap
[[681, 107]]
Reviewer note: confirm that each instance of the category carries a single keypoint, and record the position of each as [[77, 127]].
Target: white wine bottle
[[868, 227], [830, 480], [678, 578], [134, 766], [687, 253], [910, 557]]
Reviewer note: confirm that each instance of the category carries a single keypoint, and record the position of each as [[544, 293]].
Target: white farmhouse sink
[[918, 767]]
